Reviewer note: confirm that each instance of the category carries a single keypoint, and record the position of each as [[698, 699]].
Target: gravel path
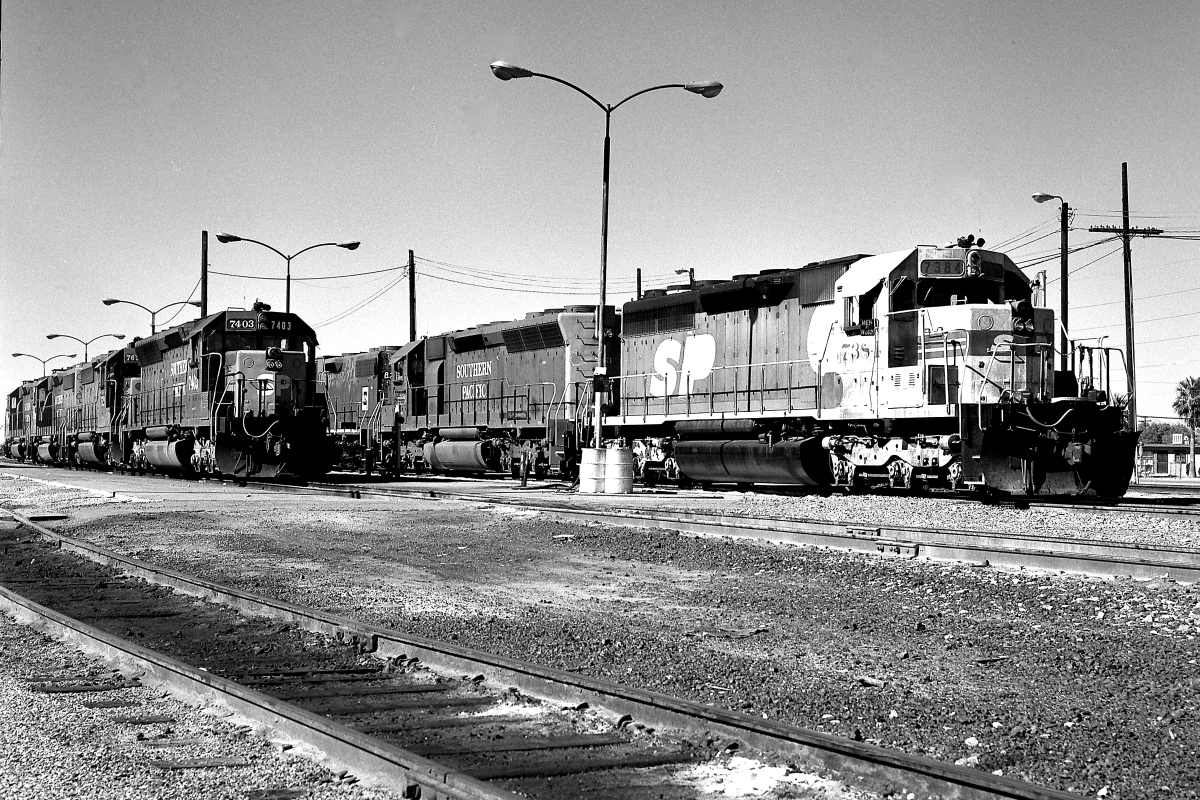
[[1078, 684], [54, 746]]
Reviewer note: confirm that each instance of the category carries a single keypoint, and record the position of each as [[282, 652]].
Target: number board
[[253, 321]]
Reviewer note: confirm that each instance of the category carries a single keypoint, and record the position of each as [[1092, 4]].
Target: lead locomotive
[[927, 366], [233, 393]]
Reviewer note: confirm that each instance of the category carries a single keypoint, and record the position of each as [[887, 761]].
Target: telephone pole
[[412, 297], [1127, 233]]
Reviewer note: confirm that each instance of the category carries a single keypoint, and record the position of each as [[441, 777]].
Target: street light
[[44, 360], [1042, 197], [226, 238], [110, 301], [506, 72], [81, 341]]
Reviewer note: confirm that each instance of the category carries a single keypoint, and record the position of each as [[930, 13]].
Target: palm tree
[[1187, 406]]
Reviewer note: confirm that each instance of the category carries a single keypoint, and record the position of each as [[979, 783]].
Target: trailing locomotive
[[501, 397], [232, 393], [928, 366]]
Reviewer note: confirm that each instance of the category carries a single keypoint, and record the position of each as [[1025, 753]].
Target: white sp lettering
[[678, 367]]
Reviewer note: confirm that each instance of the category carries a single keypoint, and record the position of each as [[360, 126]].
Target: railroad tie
[[84, 688], [534, 768], [513, 745], [435, 721], [360, 691], [394, 704]]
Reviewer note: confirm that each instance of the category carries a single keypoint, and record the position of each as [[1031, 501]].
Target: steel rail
[[1078, 556], [1011, 551], [867, 765], [370, 759]]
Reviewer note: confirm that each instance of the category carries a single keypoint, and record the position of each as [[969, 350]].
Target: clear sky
[[130, 127]]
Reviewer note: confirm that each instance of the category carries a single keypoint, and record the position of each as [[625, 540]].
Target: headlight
[[985, 322]]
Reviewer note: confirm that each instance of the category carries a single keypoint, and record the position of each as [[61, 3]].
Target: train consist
[[927, 367], [233, 393]]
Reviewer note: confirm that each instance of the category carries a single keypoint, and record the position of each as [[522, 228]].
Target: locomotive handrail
[[644, 397]]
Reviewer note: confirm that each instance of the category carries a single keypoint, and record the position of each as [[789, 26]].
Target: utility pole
[[203, 274], [639, 284], [1127, 233], [412, 297]]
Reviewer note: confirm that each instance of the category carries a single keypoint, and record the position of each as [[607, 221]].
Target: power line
[[313, 278], [356, 308]]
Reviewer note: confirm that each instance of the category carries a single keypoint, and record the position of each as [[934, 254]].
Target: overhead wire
[[179, 310]]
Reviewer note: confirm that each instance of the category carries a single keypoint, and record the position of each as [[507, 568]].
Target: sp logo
[[679, 365]]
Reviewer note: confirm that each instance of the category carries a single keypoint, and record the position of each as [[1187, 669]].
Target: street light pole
[[1042, 197], [44, 360], [82, 342], [505, 72], [153, 313], [226, 238]]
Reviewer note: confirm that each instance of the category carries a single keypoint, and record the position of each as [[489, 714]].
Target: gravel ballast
[[54, 746], [1073, 683]]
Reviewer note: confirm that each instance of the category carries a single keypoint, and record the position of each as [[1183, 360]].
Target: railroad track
[[1079, 556], [389, 707], [976, 547]]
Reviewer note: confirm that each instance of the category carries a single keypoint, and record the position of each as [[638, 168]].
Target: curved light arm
[[1041, 197], [322, 244], [651, 89], [222, 238], [111, 302], [81, 341], [226, 238], [505, 72], [172, 305], [583, 92]]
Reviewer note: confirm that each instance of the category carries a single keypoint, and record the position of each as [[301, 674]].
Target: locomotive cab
[[943, 354]]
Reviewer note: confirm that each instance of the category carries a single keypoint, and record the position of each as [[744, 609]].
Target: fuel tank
[[795, 461], [462, 456], [92, 452], [716, 429], [175, 456], [48, 452]]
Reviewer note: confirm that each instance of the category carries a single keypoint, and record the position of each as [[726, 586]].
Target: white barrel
[[618, 475], [591, 471]]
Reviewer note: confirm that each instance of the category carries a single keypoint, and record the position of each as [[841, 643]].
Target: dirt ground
[[1074, 683]]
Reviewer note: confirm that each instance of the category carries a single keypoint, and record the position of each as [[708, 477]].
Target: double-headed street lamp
[[505, 72], [1042, 197], [153, 313], [81, 341], [44, 360], [226, 238]]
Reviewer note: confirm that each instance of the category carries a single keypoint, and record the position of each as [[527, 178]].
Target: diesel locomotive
[[233, 393], [929, 366], [502, 397]]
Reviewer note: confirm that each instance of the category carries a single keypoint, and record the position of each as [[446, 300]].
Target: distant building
[[1167, 459]]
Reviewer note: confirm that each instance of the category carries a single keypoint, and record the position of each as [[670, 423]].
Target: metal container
[[606, 471], [175, 456], [460, 457], [796, 461], [48, 452], [92, 452]]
